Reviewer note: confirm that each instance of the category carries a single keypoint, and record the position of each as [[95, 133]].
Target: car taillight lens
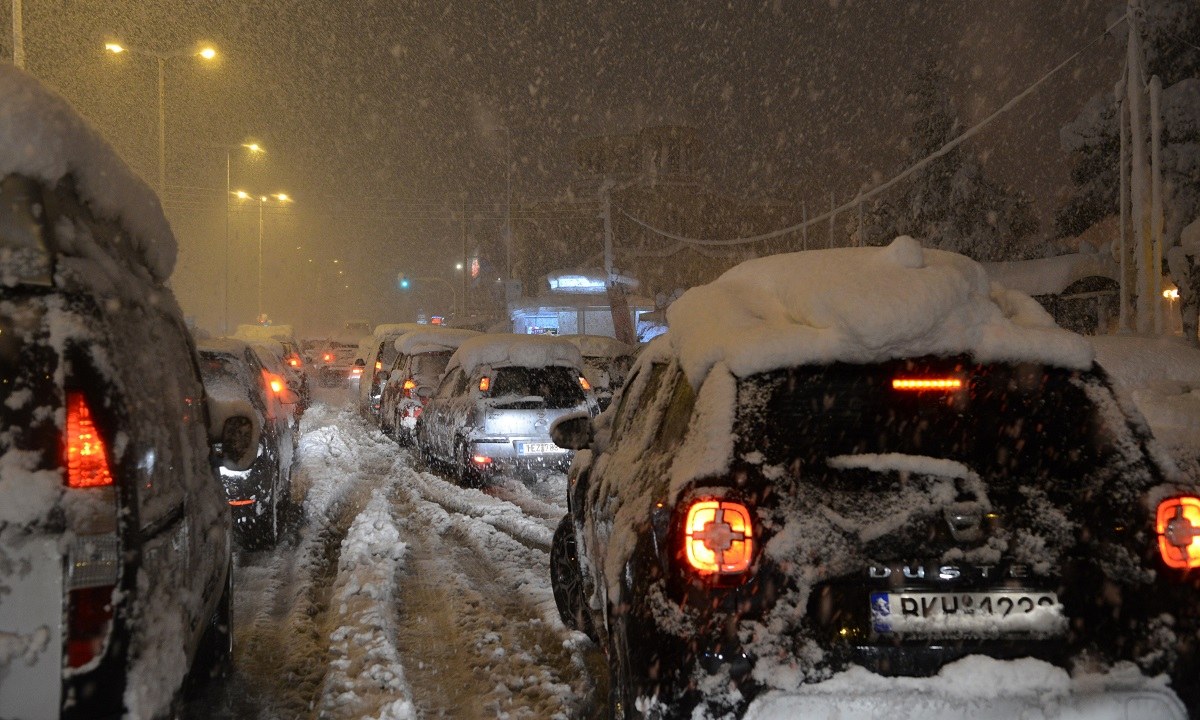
[[718, 537], [294, 361], [378, 365], [927, 384], [481, 460], [356, 372], [1178, 528], [87, 459], [327, 357], [89, 620], [485, 383], [583, 383], [410, 385]]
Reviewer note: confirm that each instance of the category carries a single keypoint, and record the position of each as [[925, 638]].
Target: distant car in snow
[[334, 360], [378, 353], [115, 565], [801, 478], [258, 495], [493, 408], [606, 361], [281, 339], [420, 361]]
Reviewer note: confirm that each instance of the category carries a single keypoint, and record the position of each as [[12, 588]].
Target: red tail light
[[410, 384], [274, 383], [928, 384], [378, 365], [87, 459], [583, 383], [481, 460], [89, 620], [327, 357], [294, 361], [485, 383], [1178, 528], [356, 372], [718, 537], [241, 503]]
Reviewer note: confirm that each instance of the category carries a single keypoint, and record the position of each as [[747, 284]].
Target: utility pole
[[1126, 260], [606, 216], [18, 36], [804, 227], [466, 260]]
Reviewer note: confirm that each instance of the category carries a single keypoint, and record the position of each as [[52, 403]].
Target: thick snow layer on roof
[[394, 329], [265, 332], [504, 350], [599, 346], [1050, 275], [43, 137], [861, 305], [432, 340]]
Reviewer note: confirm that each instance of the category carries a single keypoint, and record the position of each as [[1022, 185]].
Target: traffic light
[[403, 282]]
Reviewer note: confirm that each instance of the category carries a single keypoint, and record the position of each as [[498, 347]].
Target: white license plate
[[967, 614], [537, 448]]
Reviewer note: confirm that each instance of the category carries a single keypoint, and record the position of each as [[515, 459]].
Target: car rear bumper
[[522, 453], [980, 688]]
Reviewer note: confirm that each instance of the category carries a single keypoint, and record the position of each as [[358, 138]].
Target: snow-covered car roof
[[265, 332], [42, 137], [393, 329], [599, 346], [432, 340], [861, 305], [507, 350]]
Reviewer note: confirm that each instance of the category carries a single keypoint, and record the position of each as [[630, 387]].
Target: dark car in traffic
[[796, 481], [115, 566], [420, 361]]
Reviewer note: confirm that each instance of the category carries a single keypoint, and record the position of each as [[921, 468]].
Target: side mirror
[[234, 433], [573, 431]]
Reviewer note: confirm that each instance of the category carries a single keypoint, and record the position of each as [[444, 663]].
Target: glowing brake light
[[378, 365], [293, 361], [276, 384], [1178, 528], [583, 383], [719, 537], [87, 460], [356, 371], [927, 384], [409, 386], [327, 357], [485, 383], [481, 460]]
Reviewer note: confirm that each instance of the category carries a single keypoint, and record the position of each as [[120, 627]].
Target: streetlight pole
[[281, 198], [253, 148], [207, 53]]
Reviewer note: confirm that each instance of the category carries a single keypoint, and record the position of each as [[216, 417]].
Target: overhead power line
[[966, 135]]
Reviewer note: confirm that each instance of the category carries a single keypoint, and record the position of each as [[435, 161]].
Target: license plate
[[967, 614], [537, 448]]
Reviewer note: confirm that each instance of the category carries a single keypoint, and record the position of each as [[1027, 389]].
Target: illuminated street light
[[207, 53], [281, 198], [255, 149]]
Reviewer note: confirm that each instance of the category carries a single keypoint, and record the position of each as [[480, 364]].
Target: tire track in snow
[[478, 611], [535, 532]]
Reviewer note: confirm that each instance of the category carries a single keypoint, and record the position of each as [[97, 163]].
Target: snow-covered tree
[[1169, 30], [949, 204]]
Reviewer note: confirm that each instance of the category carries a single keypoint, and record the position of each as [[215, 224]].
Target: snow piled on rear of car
[[977, 687], [861, 305], [505, 350], [598, 346], [44, 138]]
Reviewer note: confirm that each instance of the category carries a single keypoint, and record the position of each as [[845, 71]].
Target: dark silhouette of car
[[258, 495], [797, 480], [420, 361], [115, 565]]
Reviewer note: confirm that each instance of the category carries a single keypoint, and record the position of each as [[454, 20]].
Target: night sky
[[396, 108]]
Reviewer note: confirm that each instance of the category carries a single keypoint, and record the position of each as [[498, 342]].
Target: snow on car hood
[[503, 350], [430, 340], [599, 346], [861, 305], [43, 137]]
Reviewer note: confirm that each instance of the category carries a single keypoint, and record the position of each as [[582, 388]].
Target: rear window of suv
[[557, 386], [1011, 424]]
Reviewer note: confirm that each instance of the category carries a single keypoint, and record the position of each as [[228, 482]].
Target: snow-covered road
[[398, 594]]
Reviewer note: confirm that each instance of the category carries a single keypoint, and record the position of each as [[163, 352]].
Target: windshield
[[430, 366]]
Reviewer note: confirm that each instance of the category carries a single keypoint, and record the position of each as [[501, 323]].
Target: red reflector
[[87, 461], [481, 460], [1178, 528], [583, 383], [241, 503], [719, 537], [89, 620], [927, 384], [485, 383]]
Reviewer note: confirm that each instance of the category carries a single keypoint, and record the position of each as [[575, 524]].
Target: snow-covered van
[[866, 482], [115, 569]]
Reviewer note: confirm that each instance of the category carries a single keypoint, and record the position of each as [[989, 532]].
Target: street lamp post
[[253, 148], [281, 198], [207, 53]]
